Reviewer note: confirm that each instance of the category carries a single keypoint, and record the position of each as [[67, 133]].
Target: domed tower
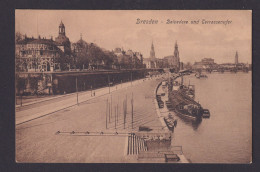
[[61, 29], [62, 41]]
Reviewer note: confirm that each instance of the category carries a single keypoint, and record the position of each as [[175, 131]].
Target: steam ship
[[183, 101]]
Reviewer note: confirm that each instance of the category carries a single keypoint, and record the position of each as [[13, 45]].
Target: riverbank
[[37, 141], [49, 105]]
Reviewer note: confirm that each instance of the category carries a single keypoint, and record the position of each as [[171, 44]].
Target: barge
[[183, 103]]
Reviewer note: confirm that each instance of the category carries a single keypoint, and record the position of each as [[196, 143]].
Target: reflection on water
[[225, 137], [194, 123]]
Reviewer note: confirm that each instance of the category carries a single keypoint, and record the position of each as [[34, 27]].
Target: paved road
[[49, 105], [36, 140]]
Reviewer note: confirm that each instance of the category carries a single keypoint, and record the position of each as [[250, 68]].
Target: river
[[225, 137]]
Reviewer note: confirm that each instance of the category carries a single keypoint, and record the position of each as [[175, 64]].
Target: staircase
[[135, 144]]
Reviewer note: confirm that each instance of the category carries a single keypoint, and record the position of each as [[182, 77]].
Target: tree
[[18, 37], [109, 59], [64, 60]]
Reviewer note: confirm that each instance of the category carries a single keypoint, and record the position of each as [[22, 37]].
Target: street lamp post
[[131, 78], [106, 112], [132, 103], [115, 117], [77, 90], [91, 90], [21, 97], [109, 83], [94, 87]]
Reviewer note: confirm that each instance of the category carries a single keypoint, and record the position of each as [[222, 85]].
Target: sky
[[110, 29]]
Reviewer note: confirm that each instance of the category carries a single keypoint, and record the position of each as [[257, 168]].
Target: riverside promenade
[[37, 125], [48, 105]]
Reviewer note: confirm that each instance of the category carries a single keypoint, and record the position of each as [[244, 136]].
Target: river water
[[225, 137]]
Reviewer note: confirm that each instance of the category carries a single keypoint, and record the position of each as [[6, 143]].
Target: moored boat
[[206, 113], [170, 122], [199, 75], [183, 103]]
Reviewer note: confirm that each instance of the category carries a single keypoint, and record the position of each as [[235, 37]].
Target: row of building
[[171, 61], [131, 57], [209, 64], [42, 54]]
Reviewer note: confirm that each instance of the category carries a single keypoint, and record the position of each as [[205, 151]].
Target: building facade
[[151, 62], [205, 63], [62, 41], [42, 54], [118, 52], [139, 57], [37, 55], [173, 61], [134, 59], [208, 61]]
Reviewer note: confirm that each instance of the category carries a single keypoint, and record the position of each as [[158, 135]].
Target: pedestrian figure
[[94, 93]]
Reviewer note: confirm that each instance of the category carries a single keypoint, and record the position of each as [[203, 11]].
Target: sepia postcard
[[133, 86]]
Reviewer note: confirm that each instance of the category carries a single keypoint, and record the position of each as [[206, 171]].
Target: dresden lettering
[[151, 21]]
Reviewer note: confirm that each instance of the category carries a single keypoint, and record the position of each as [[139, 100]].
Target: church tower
[[176, 56], [152, 52], [62, 41], [176, 52], [61, 29], [236, 58]]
